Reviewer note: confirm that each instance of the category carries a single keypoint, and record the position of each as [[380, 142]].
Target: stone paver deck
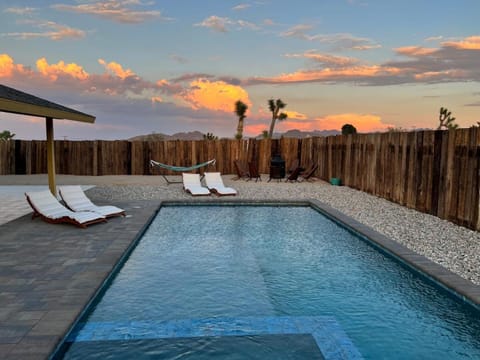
[[49, 273]]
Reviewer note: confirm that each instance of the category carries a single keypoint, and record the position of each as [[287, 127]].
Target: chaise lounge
[[47, 207], [192, 185], [215, 184], [76, 200]]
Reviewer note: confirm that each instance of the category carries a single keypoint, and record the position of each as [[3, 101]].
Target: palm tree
[[275, 106], [240, 110]]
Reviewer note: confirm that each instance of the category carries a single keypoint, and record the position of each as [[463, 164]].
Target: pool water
[[268, 282]]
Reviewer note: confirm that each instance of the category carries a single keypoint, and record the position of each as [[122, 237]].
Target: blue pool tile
[[332, 341]]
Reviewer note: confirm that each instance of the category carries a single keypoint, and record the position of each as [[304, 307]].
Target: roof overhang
[[18, 102], [22, 108]]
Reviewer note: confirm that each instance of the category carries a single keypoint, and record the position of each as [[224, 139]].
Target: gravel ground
[[454, 247]]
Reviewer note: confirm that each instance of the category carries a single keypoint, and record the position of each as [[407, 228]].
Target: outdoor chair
[[76, 200], [253, 171], [47, 207], [294, 175], [308, 173], [241, 169], [214, 183], [193, 186], [293, 166]]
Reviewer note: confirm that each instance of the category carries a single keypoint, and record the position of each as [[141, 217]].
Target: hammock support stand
[[179, 168]]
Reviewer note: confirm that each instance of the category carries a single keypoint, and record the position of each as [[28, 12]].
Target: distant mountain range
[[197, 135]]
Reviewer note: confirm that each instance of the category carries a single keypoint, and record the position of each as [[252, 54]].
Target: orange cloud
[[295, 115], [216, 95], [469, 43], [325, 58], [415, 51], [59, 69], [116, 69], [156, 99], [334, 74], [7, 67], [362, 122], [433, 75]]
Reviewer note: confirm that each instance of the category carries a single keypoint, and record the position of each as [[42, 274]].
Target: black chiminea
[[277, 167]]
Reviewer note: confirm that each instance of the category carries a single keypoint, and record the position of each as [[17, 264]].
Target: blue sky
[[143, 66]]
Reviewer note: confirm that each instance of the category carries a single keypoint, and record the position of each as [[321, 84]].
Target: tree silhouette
[[446, 120], [209, 136], [240, 110], [348, 129], [275, 106], [6, 135]]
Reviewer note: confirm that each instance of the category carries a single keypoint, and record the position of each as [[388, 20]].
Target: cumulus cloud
[[121, 11], [118, 95], [214, 95], [9, 69], [116, 69], [53, 71]]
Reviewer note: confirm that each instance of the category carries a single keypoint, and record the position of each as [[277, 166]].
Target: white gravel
[[454, 247]]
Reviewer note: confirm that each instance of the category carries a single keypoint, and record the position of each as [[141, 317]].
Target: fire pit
[[277, 168]]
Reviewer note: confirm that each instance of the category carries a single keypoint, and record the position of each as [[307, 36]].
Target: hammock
[[179, 168]]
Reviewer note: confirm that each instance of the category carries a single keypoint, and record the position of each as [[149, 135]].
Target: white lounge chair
[[76, 200], [45, 205], [192, 185], [215, 184]]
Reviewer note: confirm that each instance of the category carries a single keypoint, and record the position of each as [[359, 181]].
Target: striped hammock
[[181, 168]]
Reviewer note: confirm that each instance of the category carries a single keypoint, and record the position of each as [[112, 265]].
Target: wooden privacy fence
[[436, 172]]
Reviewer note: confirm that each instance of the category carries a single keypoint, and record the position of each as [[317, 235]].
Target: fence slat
[[432, 171]]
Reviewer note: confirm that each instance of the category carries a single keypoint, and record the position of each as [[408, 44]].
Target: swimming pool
[[268, 282]]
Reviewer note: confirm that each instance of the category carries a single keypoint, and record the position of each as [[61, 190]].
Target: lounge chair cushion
[[192, 185], [76, 200], [215, 183], [44, 204]]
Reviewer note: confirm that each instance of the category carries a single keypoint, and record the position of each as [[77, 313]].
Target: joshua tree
[[6, 135], [348, 129], [446, 120], [240, 110], [275, 106], [209, 136]]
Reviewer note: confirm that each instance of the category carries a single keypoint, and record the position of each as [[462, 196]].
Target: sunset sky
[[145, 66]]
